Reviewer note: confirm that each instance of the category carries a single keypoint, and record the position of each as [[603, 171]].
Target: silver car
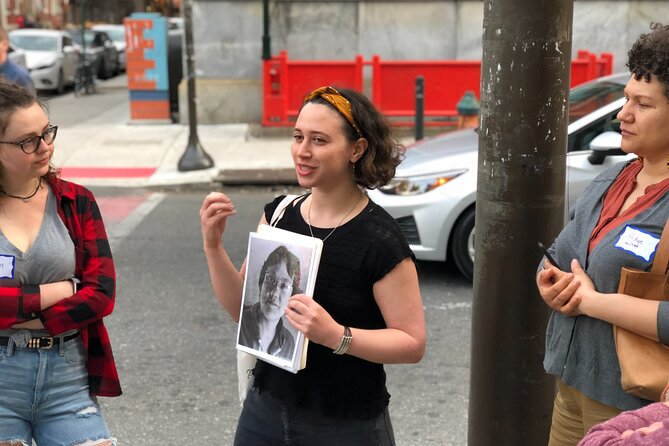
[[51, 57], [433, 193]]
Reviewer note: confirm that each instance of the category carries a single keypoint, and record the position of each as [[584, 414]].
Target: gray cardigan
[[581, 350]]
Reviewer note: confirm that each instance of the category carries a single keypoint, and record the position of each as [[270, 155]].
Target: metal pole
[[82, 17], [420, 83], [266, 40], [194, 157], [3, 13], [520, 200]]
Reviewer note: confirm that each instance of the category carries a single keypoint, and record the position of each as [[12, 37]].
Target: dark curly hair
[[649, 56], [12, 98], [384, 152], [283, 254]]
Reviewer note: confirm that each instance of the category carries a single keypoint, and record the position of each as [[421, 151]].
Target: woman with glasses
[[366, 309], [57, 282], [262, 322]]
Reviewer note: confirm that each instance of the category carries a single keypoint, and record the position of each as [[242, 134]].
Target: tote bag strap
[[278, 212], [662, 253]]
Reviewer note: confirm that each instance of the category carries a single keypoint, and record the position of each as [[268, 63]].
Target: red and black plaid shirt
[[84, 310]]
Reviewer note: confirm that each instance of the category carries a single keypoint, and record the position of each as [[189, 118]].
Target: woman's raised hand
[[214, 213]]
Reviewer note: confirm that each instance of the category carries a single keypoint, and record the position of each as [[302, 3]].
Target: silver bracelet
[[345, 342]]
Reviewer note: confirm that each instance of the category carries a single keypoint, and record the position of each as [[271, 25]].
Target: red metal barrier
[[393, 87], [286, 82], [588, 66]]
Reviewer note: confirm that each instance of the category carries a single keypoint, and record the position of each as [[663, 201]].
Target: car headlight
[[419, 184]]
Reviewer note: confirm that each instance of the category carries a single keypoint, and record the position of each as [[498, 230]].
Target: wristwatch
[[76, 284]]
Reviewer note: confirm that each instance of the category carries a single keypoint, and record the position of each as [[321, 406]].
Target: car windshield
[[35, 42], [588, 98], [89, 36], [116, 34]]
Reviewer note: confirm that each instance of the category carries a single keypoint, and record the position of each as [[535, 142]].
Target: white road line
[[120, 231]]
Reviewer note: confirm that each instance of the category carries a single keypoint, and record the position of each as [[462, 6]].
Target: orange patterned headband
[[338, 101]]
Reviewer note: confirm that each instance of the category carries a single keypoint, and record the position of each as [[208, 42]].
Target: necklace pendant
[[26, 199]]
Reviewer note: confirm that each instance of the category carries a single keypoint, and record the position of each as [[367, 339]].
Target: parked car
[[433, 193], [175, 22], [100, 48], [117, 34], [51, 57], [17, 55]]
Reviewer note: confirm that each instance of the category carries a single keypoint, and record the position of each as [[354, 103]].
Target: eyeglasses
[[31, 144], [274, 282], [338, 101]]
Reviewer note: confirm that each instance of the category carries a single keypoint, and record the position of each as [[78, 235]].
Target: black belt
[[44, 342]]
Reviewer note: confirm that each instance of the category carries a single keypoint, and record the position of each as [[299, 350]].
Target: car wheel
[[462, 243], [60, 85]]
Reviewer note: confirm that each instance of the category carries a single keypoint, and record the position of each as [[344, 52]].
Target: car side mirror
[[69, 49], [603, 145]]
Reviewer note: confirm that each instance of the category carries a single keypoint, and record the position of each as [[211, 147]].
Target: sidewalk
[[109, 150]]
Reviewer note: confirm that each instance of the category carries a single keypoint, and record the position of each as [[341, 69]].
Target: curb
[[257, 176]]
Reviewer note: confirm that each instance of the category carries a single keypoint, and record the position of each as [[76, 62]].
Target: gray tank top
[[49, 259]]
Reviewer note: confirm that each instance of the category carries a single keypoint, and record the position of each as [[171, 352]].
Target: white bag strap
[[281, 208]]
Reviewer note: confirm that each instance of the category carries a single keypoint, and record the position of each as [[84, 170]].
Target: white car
[[117, 34], [17, 56], [51, 57], [433, 193]]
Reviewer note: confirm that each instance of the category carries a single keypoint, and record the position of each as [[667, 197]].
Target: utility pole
[[520, 200], [266, 41], [194, 157]]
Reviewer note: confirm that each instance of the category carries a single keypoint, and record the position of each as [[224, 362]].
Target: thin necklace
[[27, 197], [338, 224]]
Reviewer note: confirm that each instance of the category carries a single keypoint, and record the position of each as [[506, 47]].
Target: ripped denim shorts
[[44, 395]]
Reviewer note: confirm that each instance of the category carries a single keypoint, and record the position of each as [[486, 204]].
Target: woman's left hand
[[310, 318]]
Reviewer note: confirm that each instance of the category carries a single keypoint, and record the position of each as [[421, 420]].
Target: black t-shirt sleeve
[[389, 247]]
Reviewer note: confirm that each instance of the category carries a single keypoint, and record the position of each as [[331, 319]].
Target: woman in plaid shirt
[[57, 282]]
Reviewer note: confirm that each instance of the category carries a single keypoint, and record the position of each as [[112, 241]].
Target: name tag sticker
[[638, 242], [7, 267]]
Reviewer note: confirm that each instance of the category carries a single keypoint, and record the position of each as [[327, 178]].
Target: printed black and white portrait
[[274, 273]]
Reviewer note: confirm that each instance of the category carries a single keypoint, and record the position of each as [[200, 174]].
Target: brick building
[[59, 14]]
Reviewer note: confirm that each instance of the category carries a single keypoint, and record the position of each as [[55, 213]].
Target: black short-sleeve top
[[356, 255]]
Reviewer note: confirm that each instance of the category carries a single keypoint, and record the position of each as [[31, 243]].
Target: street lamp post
[[194, 157], [82, 17], [266, 42]]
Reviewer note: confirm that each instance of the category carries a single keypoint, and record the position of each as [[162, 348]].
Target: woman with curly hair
[[366, 310], [616, 222]]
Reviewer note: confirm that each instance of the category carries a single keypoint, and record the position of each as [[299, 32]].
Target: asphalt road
[[174, 345]]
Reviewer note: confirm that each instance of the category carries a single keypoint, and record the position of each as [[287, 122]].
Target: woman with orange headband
[[366, 310]]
